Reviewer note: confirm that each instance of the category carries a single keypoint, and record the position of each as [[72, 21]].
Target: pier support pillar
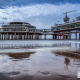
[[58, 35], [32, 36], [35, 36], [79, 34], [21, 36], [63, 35], [40, 37], [53, 37], [15, 36], [4, 36], [70, 34], [26, 35], [76, 35], [0, 36], [45, 36], [66, 36], [11, 36], [7, 36], [18, 36]]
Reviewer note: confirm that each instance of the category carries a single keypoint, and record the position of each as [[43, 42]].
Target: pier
[[36, 34], [25, 31]]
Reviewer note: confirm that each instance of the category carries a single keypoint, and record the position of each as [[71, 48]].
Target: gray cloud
[[38, 14]]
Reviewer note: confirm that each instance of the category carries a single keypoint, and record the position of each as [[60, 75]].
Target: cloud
[[40, 11]]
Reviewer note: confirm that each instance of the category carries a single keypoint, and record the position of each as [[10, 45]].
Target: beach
[[39, 59]]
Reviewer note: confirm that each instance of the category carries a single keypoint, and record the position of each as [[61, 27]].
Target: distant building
[[67, 25], [70, 25]]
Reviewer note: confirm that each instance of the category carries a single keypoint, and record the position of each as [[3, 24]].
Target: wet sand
[[39, 60]]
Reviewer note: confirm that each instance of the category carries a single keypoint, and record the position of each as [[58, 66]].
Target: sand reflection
[[20, 55]]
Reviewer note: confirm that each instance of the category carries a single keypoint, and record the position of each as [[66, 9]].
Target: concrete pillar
[[21, 36], [38, 36], [55, 36], [11, 36], [29, 36], [58, 34], [32, 36], [35, 37], [0, 36], [26, 35], [18, 36], [60, 37], [70, 34], [45, 36], [4, 36], [63, 35], [7, 36], [41, 36], [79, 34], [15, 36], [76, 35]]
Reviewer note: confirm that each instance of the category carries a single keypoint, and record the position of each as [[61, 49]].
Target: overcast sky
[[40, 13]]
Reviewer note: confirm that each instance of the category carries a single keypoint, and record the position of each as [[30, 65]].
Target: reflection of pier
[[32, 46], [20, 55]]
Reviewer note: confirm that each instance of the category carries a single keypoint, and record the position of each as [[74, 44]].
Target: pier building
[[18, 26], [67, 28], [17, 31]]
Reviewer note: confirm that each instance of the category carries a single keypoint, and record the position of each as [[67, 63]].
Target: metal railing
[[23, 29]]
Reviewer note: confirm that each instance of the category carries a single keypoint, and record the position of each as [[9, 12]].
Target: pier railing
[[25, 30]]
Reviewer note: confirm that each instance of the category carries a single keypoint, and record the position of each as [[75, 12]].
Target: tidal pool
[[39, 60]]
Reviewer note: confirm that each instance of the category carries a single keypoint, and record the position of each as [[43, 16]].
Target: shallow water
[[39, 60]]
